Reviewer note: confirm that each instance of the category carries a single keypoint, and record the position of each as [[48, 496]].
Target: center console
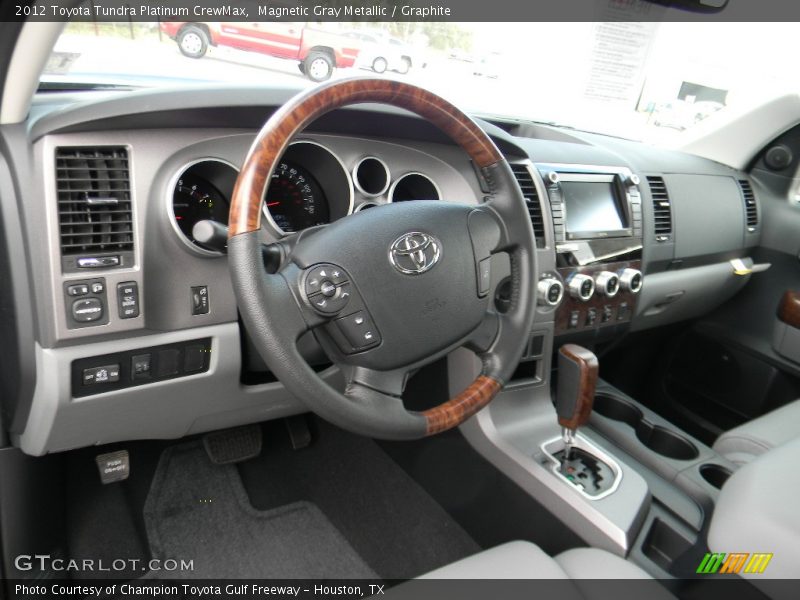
[[617, 474], [597, 233]]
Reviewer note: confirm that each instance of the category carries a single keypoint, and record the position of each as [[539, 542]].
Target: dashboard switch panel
[[88, 310], [100, 375], [86, 303], [77, 290], [612, 305], [200, 303], [139, 366], [128, 300]]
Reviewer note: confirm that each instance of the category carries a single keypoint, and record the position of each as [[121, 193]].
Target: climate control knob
[[581, 287], [631, 280], [607, 283], [550, 291]]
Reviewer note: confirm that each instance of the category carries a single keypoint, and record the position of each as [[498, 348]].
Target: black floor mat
[[199, 511], [393, 524]]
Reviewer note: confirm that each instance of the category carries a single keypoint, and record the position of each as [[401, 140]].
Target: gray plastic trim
[[161, 410], [683, 474], [509, 434], [682, 294], [50, 288], [786, 341]]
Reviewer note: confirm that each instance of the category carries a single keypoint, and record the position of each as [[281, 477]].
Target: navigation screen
[[590, 206]]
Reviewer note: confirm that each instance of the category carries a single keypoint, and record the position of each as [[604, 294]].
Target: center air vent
[[750, 206], [94, 200], [531, 196], [662, 208]]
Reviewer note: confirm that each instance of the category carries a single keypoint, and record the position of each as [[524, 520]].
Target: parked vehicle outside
[[384, 53], [317, 51]]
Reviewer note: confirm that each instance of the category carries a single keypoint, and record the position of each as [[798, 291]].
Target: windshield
[[645, 81]]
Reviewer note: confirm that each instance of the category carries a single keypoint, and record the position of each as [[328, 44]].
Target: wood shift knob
[[578, 370], [789, 309]]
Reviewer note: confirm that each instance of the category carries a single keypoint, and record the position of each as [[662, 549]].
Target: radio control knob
[[550, 291], [631, 280], [607, 283], [581, 287], [634, 179]]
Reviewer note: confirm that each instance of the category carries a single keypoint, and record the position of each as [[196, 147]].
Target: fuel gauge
[[196, 199]]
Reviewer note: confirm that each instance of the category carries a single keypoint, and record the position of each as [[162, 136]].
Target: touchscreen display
[[591, 206]]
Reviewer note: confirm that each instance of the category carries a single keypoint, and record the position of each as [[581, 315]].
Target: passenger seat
[[742, 444], [523, 560]]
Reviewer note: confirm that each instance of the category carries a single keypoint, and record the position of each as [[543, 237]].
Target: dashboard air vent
[[750, 206], [662, 209], [531, 196], [94, 200]]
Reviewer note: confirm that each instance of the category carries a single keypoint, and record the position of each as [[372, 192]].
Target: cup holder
[[715, 475], [659, 439]]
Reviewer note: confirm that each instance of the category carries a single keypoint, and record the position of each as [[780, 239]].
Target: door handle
[[742, 268]]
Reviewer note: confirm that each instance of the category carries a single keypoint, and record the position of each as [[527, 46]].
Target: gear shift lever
[[577, 380]]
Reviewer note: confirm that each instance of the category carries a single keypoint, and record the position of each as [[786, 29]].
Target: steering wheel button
[[327, 288], [330, 304], [312, 284], [359, 330], [324, 277]]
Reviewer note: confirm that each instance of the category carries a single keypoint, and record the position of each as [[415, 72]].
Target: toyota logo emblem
[[414, 253]]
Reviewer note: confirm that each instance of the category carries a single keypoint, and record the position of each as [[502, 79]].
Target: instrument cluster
[[310, 186]]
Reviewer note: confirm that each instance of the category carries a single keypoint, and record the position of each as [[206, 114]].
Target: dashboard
[[134, 319]]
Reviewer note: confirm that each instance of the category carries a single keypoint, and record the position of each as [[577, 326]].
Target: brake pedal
[[233, 445]]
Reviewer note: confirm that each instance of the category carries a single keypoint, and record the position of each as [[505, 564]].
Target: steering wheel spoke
[[386, 383], [484, 336]]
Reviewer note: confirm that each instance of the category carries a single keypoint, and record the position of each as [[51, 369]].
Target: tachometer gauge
[[295, 200], [195, 199]]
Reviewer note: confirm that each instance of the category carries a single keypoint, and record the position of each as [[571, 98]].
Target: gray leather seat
[[523, 560], [757, 512], [742, 444]]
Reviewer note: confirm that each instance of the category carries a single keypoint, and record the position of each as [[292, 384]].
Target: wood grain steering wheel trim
[[457, 410], [295, 115]]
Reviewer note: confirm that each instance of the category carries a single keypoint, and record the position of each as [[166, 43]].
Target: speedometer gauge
[[295, 200]]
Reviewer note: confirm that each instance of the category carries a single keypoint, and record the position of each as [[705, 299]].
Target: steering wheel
[[387, 290]]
